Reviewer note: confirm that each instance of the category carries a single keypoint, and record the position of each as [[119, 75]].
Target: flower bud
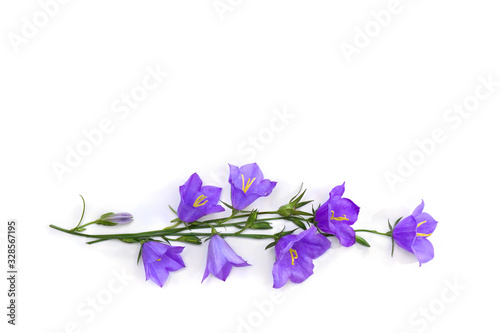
[[111, 219], [286, 210]]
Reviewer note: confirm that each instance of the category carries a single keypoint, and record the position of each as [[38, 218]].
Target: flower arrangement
[[295, 248]]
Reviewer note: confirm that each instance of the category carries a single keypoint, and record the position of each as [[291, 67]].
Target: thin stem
[[374, 232], [83, 213], [256, 236]]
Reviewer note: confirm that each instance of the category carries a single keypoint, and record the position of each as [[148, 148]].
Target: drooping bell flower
[[221, 258], [295, 254], [248, 184], [411, 234], [198, 200], [337, 215], [159, 259]]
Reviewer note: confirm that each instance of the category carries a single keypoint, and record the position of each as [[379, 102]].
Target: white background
[[230, 74]]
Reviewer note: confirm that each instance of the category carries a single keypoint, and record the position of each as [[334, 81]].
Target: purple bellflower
[[411, 234], [337, 215], [159, 259], [198, 200], [221, 258], [294, 255], [247, 185]]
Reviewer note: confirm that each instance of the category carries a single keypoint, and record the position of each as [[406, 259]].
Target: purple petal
[[212, 193], [240, 199], [426, 224], [188, 213], [404, 233], [263, 188], [158, 274], [250, 171], [284, 245], [221, 258], [311, 245], [419, 209], [345, 207], [337, 191], [345, 233], [423, 250], [281, 274], [191, 188], [323, 219], [302, 269]]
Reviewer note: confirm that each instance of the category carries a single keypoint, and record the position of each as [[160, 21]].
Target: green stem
[[375, 232]]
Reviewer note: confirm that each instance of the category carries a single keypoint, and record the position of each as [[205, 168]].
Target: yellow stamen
[[247, 186], [294, 255], [158, 259], [338, 218], [422, 235], [198, 202]]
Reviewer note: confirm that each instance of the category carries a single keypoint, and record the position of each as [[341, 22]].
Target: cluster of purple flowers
[[294, 252]]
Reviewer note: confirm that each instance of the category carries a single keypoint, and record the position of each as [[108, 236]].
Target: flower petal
[[312, 245], [427, 224], [337, 191], [250, 171], [404, 233], [345, 233], [419, 209], [190, 188], [344, 207], [423, 250]]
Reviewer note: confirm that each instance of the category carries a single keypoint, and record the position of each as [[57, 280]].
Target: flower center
[[248, 184], [198, 202], [422, 235], [294, 255], [338, 218], [158, 259]]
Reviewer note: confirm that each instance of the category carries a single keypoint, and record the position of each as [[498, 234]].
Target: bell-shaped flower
[[247, 185], [295, 254], [221, 258], [159, 259], [337, 215], [411, 234], [198, 200]]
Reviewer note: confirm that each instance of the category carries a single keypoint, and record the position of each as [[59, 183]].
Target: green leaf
[[139, 256], [270, 245], [173, 210], [261, 225], [397, 221], [103, 216], [362, 241], [301, 204], [189, 239], [129, 240], [297, 222], [107, 223], [390, 226], [227, 205], [295, 196], [251, 219]]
